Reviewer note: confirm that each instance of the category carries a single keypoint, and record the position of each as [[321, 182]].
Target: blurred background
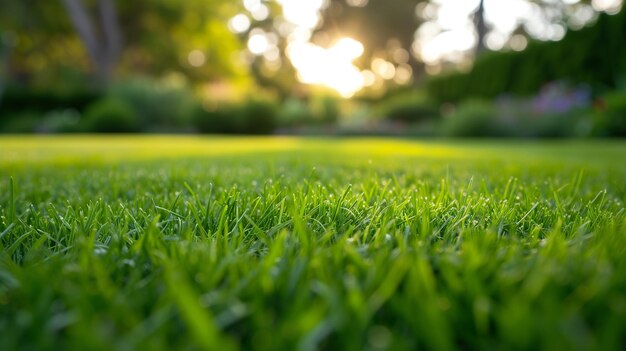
[[429, 68]]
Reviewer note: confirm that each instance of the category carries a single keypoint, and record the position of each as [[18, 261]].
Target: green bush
[[60, 121], [409, 108], [294, 112], [21, 123], [557, 125], [110, 116], [158, 106], [610, 118], [18, 99], [254, 116], [473, 118], [214, 120], [258, 116], [325, 109], [594, 55]]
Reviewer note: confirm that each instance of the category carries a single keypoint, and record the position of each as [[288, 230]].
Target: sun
[[331, 67]]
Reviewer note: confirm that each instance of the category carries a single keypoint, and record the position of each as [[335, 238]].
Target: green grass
[[301, 244]]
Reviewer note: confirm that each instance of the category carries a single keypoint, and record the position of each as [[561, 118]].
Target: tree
[[380, 25], [58, 42], [38, 37], [374, 24], [5, 51], [536, 19], [481, 28], [101, 36]]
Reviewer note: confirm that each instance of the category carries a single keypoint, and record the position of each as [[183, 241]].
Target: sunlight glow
[[357, 3], [196, 58], [261, 13], [252, 5], [383, 68], [239, 24], [346, 49], [258, 43], [322, 63], [330, 67], [403, 75], [609, 6], [369, 78], [303, 13], [448, 33]]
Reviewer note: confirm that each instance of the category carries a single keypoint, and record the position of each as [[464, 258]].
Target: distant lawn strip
[[167, 243]]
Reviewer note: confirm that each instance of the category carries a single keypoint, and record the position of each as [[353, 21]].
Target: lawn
[[282, 243]]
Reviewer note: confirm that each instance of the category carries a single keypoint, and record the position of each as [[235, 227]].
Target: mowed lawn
[[190, 243]]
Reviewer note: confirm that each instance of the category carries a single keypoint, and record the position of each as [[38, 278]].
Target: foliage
[[159, 105], [17, 99], [294, 112], [410, 108], [284, 244], [259, 116], [24, 122], [594, 55], [157, 37], [110, 115], [557, 125], [374, 25], [214, 120], [610, 118], [60, 121], [253, 116], [161, 34], [558, 110], [473, 118], [325, 108]]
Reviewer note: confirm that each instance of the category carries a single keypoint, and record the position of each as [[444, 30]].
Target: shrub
[[110, 116], [60, 121], [473, 118], [554, 125], [593, 55], [251, 117], [325, 109], [294, 112], [157, 105], [22, 122], [610, 117], [258, 116], [213, 120], [18, 99], [409, 108], [557, 111]]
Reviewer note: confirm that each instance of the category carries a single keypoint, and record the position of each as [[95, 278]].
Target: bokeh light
[[196, 58], [239, 24], [330, 67], [258, 43], [448, 32]]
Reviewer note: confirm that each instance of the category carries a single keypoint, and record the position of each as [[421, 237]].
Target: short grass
[[162, 243]]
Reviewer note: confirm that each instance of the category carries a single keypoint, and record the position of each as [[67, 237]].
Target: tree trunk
[[111, 34], [103, 39], [6, 45], [481, 28], [2, 76]]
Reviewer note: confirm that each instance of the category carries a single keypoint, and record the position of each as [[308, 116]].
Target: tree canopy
[[109, 38]]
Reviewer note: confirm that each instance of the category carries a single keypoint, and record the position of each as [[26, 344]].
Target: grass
[[304, 244]]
